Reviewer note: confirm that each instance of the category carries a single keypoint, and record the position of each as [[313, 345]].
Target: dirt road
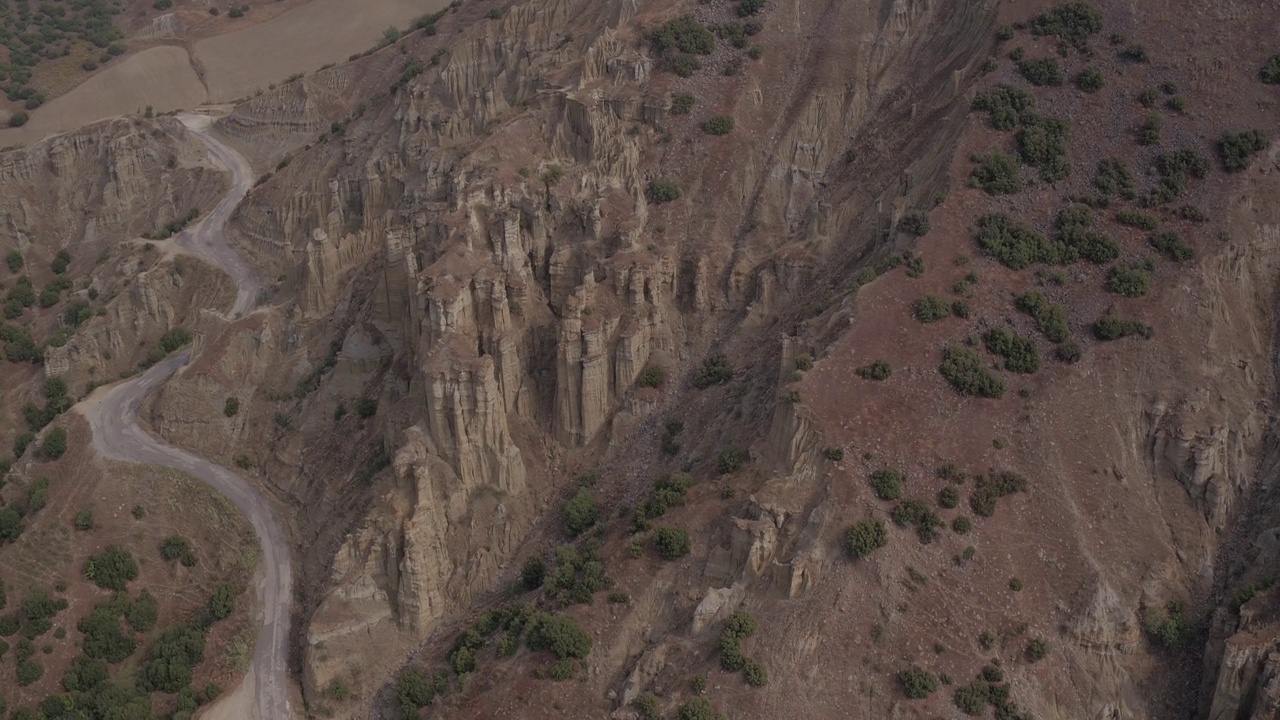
[[113, 416]]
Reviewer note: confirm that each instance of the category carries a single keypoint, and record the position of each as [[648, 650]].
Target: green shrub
[[1041, 71], [37, 494], [1051, 319], [1135, 219], [715, 370], [684, 34], [1018, 352], [968, 375], [1073, 22], [1149, 130], [718, 125], [1012, 244], [60, 262], [1007, 106], [915, 224], [1037, 650], [996, 174], [864, 537], [416, 690], [14, 261], [560, 634], [917, 683], [672, 543], [1114, 178], [143, 612], [729, 461], [698, 709], [916, 513], [112, 568], [580, 513], [84, 520], [18, 119], [1184, 162], [961, 525], [1177, 104], [1166, 626], [366, 407], [1090, 80], [1170, 243], [834, 454], [1192, 213], [177, 547], [930, 308], [231, 407], [948, 497], [55, 444], [1042, 144], [534, 573], [1235, 149], [1110, 327], [887, 483], [1270, 72], [685, 65], [682, 103], [1134, 53], [993, 486], [1078, 241], [104, 638], [661, 191], [877, 370], [668, 492], [1128, 280], [174, 339]]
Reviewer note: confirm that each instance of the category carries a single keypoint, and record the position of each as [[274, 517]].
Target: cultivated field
[[235, 64]]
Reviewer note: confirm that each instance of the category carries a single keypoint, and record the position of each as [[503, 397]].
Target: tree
[[863, 537], [672, 543], [223, 602], [55, 444], [580, 512], [534, 573], [112, 568]]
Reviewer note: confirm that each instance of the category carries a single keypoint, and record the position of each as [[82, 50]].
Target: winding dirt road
[[113, 416]]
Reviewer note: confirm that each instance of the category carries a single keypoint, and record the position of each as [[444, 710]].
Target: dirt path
[[113, 415]]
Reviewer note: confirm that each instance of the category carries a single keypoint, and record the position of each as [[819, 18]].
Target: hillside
[[765, 359]]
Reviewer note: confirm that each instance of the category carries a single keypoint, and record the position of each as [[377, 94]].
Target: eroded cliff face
[[479, 246]]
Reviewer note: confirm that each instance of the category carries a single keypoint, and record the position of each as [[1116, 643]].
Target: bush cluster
[[577, 575], [1089, 80], [1235, 149], [1111, 327], [993, 486], [1128, 280], [996, 174], [112, 568], [864, 537], [1042, 144], [1051, 318], [1074, 23], [917, 683], [916, 513], [1019, 353], [1167, 626], [718, 125], [1007, 106], [887, 483], [672, 543], [715, 370], [1270, 72], [930, 308], [1042, 71], [876, 370], [1114, 178], [1175, 168], [679, 40], [915, 224], [740, 626], [968, 375], [667, 492], [580, 512]]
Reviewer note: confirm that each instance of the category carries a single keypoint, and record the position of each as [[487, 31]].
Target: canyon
[[510, 260]]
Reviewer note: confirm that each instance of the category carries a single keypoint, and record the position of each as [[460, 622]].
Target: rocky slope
[[485, 288]]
